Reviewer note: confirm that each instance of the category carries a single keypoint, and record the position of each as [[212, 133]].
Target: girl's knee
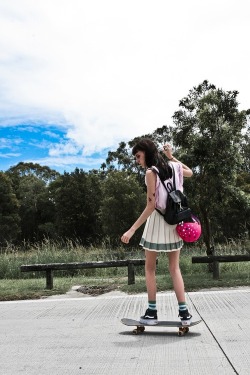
[[174, 269], [150, 264], [150, 267]]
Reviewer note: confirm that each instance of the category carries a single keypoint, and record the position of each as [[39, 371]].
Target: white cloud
[[9, 155], [10, 143], [67, 163], [111, 70], [51, 134], [64, 148]]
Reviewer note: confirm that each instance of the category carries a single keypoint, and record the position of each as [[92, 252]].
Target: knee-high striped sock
[[152, 305]]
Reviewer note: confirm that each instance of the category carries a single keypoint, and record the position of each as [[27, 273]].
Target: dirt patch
[[96, 290]]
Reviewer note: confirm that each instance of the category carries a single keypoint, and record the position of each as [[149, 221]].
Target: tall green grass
[[47, 251], [16, 285], [11, 258]]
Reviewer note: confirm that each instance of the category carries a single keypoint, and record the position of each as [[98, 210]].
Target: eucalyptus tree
[[122, 158], [44, 173], [209, 131]]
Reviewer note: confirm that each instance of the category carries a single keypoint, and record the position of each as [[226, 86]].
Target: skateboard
[[140, 327]]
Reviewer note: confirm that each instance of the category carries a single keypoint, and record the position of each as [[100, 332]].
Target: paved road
[[85, 336]]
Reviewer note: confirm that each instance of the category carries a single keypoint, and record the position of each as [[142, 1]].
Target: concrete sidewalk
[[85, 336]]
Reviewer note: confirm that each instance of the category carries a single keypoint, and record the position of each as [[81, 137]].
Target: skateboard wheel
[[138, 330], [183, 331], [141, 329]]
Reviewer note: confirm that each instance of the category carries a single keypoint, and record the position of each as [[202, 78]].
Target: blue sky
[[45, 145], [79, 76]]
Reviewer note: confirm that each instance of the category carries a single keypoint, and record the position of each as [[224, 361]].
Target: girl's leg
[[179, 289], [150, 316], [150, 267], [176, 275]]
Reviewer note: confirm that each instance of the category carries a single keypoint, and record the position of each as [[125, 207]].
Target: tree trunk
[[206, 232]]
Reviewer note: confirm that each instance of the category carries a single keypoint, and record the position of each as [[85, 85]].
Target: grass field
[[16, 285]]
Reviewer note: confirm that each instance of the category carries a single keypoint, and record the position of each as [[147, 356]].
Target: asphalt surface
[[84, 335]]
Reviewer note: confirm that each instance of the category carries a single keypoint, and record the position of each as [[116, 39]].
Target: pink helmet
[[189, 232]]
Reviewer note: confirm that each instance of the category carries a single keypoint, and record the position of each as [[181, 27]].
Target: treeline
[[88, 207], [209, 134]]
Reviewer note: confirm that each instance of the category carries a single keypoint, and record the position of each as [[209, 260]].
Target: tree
[[31, 185], [209, 130], [122, 158], [119, 158], [77, 198], [123, 201], [36, 209], [27, 169], [9, 217]]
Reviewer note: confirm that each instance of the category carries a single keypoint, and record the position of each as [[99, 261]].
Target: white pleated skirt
[[159, 235]]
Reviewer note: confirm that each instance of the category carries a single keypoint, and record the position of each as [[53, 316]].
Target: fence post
[[49, 279], [131, 273], [216, 270]]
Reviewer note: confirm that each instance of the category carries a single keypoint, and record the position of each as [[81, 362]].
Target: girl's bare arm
[[167, 150], [151, 182]]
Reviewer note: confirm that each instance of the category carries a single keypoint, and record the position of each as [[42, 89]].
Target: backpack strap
[[169, 186], [173, 174]]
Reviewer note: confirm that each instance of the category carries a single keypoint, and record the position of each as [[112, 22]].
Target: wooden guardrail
[[216, 259], [49, 268]]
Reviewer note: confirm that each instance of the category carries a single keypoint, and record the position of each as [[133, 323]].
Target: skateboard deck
[[140, 327]]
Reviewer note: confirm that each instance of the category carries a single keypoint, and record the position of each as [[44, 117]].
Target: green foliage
[[209, 130], [77, 197], [121, 157], [30, 169], [9, 217], [123, 202], [36, 208]]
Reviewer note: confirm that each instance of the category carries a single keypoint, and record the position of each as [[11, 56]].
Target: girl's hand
[[127, 235], [167, 149]]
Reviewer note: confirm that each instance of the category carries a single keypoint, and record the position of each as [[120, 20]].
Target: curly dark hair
[[153, 157]]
